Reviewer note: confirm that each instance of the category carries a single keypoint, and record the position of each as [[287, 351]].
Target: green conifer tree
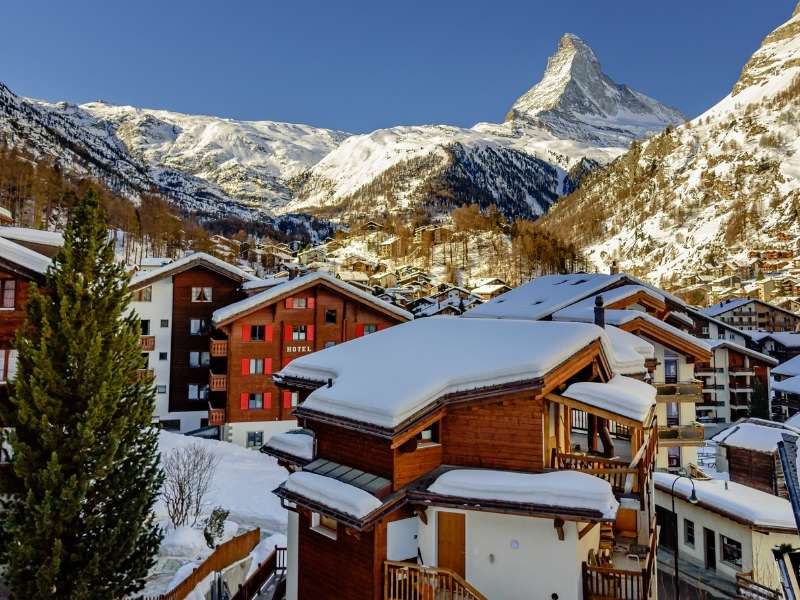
[[84, 454]]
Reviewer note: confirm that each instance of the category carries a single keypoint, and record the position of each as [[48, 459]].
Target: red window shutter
[[310, 333], [290, 302], [268, 332], [310, 302], [287, 399], [287, 332], [244, 401], [359, 329], [267, 400], [245, 366], [267, 365], [245, 333]]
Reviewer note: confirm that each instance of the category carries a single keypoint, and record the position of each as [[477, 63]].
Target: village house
[[781, 345], [281, 321], [47, 243], [751, 314], [725, 532], [174, 303], [19, 267], [464, 476]]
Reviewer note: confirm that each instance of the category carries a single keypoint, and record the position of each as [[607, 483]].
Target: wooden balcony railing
[[741, 371], [147, 343], [218, 348], [681, 433], [216, 416], [273, 566], [217, 383], [409, 581], [144, 373], [691, 391], [608, 583]]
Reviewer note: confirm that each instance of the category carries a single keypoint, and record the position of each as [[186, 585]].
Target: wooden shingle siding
[[354, 449], [758, 470]]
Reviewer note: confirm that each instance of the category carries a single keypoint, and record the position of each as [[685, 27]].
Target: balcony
[[741, 371], [218, 348], [216, 416], [410, 581], [681, 435], [741, 389], [144, 374], [679, 392], [147, 343], [217, 383]]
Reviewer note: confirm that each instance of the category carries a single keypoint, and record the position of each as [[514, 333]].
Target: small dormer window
[[324, 525], [201, 294], [429, 436]]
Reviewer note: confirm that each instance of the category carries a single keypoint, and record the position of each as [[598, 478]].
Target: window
[[298, 332], [7, 293], [162, 356], [300, 303], [257, 333], [255, 439], [330, 316], [145, 326], [201, 294], [255, 400], [161, 389], [143, 295], [688, 533], [324, 525], [330, 344], [429, 436], [198, 391], [8, 365], [673, 457], [290, 399], [199, 359], [164, 322], [198, 327], [731, 551], [256, 366]]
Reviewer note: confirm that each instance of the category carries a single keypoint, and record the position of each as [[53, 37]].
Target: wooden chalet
[[263, 333], [443, 458], [19, 268]]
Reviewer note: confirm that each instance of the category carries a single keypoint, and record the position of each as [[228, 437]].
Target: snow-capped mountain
[[710, 190], [575, 100], [575, 117]]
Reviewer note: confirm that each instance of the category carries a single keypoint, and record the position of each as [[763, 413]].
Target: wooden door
[[710, 549], [450, 541]]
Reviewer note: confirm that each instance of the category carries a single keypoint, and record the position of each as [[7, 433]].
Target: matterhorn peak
[[576, 100]]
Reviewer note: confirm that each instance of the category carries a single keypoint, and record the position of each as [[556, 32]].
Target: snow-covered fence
[[223, 556], [273, 565]]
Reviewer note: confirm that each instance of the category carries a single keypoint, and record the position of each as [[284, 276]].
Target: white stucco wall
[[236, 433], [514, 557]]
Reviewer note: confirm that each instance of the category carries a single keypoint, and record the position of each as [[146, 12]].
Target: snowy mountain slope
[[583, 118], [575, 100], [247, 160], [707, 191]]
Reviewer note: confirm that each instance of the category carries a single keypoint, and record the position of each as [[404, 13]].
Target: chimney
[[614, 268], [599, 312]]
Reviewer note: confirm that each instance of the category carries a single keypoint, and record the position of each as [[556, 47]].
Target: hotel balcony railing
[[147, 343], [741, 371], [218, 348], [690, 391], [217, 383], [681, 433], [216, 416], [144, 373]]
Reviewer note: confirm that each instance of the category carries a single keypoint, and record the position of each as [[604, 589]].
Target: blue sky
[[361, 65]]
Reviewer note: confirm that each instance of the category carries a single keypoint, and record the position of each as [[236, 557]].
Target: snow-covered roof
[[269, 295], [257, 284], [372, 378], [23, 257], [33, 236], [793, 421], [621, 395], [544, 295], [332, 493], [154, 261], [754, 434], [785, 338], [722, 307], [618, 294], [560, 490], [190, 260], [682, 317], [624, 339], [294, 443], [732, 499], [742, 350], [489, 288], [788, 386]]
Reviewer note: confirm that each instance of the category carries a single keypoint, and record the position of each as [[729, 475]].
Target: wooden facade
[[759, 470], [263, 340]]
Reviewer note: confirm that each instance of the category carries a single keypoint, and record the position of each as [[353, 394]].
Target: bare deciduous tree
[[188, 472]]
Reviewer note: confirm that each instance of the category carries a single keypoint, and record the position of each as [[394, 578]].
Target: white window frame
[[255, 401], [256, 366], [4, 288], [317, 525], [202, 294], [299, 335], [256, 444], [722, 559]]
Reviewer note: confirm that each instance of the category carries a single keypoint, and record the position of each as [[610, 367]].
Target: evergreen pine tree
[[759, 400], [84, 453]]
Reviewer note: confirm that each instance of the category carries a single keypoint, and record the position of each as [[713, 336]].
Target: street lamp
[[692, 500]]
